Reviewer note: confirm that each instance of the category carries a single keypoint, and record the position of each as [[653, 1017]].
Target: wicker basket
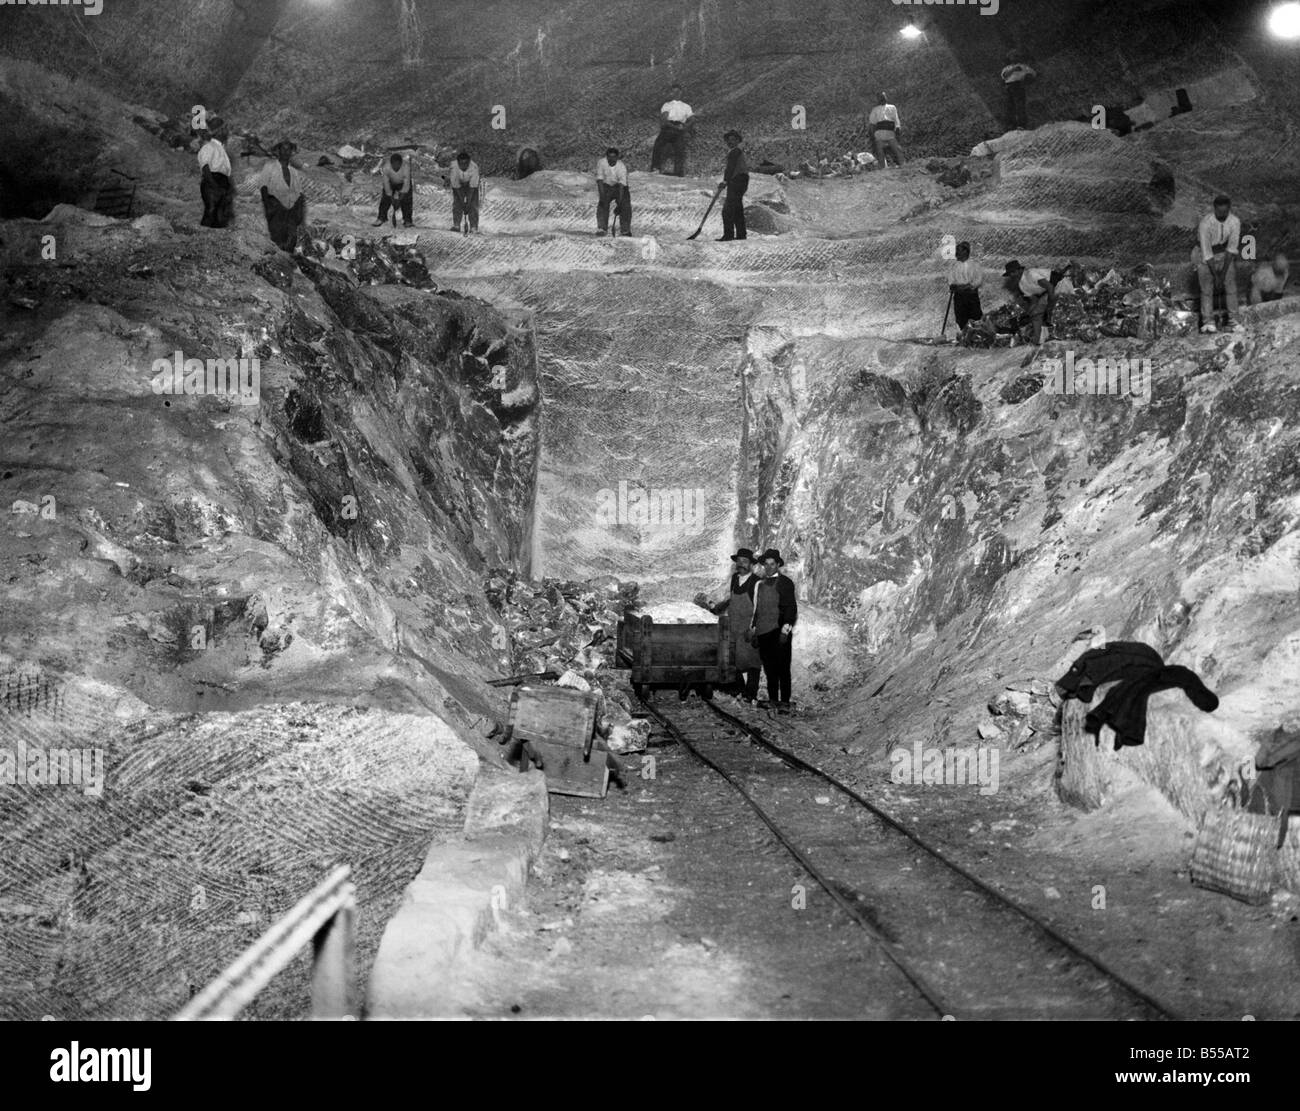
[[1236, 854]]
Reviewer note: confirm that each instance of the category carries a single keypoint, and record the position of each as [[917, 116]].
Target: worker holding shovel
[[1218, 245], [964, 280]]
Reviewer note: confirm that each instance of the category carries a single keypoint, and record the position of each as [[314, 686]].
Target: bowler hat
[[744, 553], [772, 553], [1013, 268], [728, 134]]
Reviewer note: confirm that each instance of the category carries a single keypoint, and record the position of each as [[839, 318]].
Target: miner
[[399, 191], [611, 184], [283, 198], [1269, 279], [1036, 287], [1014, 75], [1218, 246], [215, 187], [883, 123], [772, 626], [735, 176], [464, 181], [964, 280], [674, 117], [736, 600]]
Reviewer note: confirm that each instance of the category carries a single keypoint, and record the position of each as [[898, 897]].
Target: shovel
[[944, 330], [716, 195]]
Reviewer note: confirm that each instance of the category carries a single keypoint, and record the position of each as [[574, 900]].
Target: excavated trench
[[215, 572]]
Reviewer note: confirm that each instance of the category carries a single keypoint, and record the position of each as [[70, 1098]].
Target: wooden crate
[[558, 726], [677, 655]]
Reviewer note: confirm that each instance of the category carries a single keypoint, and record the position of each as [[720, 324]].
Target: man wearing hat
[[215, 186], [736, 178], [775, 614], [1037, 286], [464, 183], [283, 199], [737, 601], [1218, 245]]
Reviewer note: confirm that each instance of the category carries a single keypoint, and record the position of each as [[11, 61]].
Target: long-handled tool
[[944, 330], [716, 195]]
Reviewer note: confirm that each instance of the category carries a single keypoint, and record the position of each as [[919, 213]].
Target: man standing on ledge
[[283, 199], [673, 118], [1014, 75], [775, 614], [736, 600], [736, 178], [885, 129], [215, 187], [611, 185], [1218, 244], [464, 192]]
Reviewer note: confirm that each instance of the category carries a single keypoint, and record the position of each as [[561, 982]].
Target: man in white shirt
[[399, 191], [964, 280], [882, 122], [283, 198], [1014, 75], [1037, 288], [464, 181], [215, 186], [611, 184], [1218, 245], [674, 117]]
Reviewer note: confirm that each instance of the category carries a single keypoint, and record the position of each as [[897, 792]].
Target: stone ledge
[[448, 908]]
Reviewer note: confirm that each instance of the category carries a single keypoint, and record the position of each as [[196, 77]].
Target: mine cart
[[556, 728], [678, 656]]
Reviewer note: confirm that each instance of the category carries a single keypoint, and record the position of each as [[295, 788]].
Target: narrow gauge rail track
[[967, 949]]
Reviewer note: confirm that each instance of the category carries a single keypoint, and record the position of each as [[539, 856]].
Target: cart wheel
[[706, 692]]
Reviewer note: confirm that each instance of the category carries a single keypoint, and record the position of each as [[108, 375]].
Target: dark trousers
[[403, 200], [671, 140], [1017, 116], [966, 306], [750, 681], [776, 665], [619, 195], [733, 208], [464, 202], [284, 223], [218, 200]]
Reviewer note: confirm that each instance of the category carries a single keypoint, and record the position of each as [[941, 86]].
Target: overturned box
[[556, 727]]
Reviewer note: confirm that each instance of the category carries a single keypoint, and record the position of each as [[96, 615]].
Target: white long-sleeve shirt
[[271, 175], [397, 181], [883, 112], [969, 273], [1213, 232], [611, 175], [467, 176], [677, 111], [213, 155]]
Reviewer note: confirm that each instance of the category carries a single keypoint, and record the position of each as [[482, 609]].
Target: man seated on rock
[[1218, 246], [283, 198], [1036, 289], [215, 187], [464, 180], [399, 190], [1269, 279], [964, 280], [736, 600], [611, 184]]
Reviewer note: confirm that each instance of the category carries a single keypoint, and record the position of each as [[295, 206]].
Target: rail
[[325, 918]]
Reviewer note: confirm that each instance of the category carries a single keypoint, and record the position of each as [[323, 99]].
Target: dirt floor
[[671, 900]]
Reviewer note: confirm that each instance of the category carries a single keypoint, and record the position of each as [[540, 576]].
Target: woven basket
[[1236, 854]]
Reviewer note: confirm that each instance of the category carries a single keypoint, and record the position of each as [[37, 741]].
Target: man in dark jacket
[[737, 602], [775, 614], [736, 178]]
